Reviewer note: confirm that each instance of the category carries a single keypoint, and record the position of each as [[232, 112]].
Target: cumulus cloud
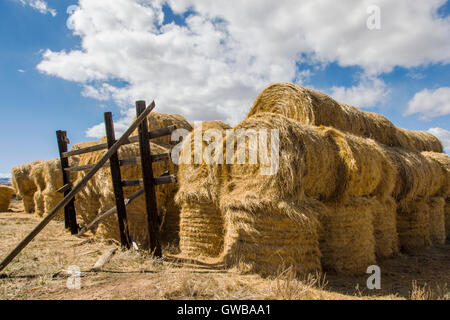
[[39, 5], [366, 94], [430, 103], [213, 66], [443, 135]]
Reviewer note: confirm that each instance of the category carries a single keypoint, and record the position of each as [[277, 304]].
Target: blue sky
[[209, 61]]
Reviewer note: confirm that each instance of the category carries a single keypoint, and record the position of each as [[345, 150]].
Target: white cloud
[[120, 126], [443, 135], [20, 70], [39, 5], [366, 94], [228, 51], [430, 103]]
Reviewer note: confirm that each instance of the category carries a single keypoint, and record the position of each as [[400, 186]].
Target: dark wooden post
[[70, 217], [117, 182], [149, 186]]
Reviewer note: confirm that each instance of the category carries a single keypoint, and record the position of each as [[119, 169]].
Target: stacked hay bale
[[5, 197], [418, 179], [53, 181], [269, 221], [37, 174], [316, 108], [98, 196], [436, 210], [24, 184], [201, 222]]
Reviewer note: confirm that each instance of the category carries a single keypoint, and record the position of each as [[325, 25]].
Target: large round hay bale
[[416, 177], [316, 108], [347, 241], [5, 197], [271, 239], [443, 160], [158, 120], [318, 162], [437, 220], [24, 184], [54, 181], [385, 227], [413, 225]]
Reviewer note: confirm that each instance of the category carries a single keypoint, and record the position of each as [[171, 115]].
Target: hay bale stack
[[271, 239], [443, 161], [201, 230], [363, 167], [24, 184], [5, 197], [323, 163], [437, 220], [98, 196], [347, 239], [316, 108], [157, 120], [37, 174], [201, 222], [385, 227], [413, 225], [53, 178], [416, 177]]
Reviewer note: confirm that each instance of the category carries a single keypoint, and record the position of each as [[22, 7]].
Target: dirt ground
[[41, 272]]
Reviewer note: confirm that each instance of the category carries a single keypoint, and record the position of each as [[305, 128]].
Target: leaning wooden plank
[[109, 213], [76, 189], [104, 258]]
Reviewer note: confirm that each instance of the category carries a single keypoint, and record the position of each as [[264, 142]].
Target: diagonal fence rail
[[111, 155]]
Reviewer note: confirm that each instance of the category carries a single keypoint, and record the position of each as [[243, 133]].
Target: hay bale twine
[[437, 220], [270, 239], [5, 197], [413, 225], [347, 239], [385, 227], [316, 108], [24, 184]]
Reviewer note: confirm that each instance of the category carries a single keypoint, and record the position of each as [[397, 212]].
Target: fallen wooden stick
[[103, 259], [109, 213]]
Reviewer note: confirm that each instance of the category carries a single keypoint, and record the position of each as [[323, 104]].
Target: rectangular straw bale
[[437, 220], [385, 227], [5, 197], [413, 225], [347, 240]]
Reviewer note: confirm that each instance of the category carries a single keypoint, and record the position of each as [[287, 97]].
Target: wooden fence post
[[117, 182], [70, 217], [149, 186]]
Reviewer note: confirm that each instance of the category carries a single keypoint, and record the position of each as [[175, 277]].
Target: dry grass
[[36, 273]]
